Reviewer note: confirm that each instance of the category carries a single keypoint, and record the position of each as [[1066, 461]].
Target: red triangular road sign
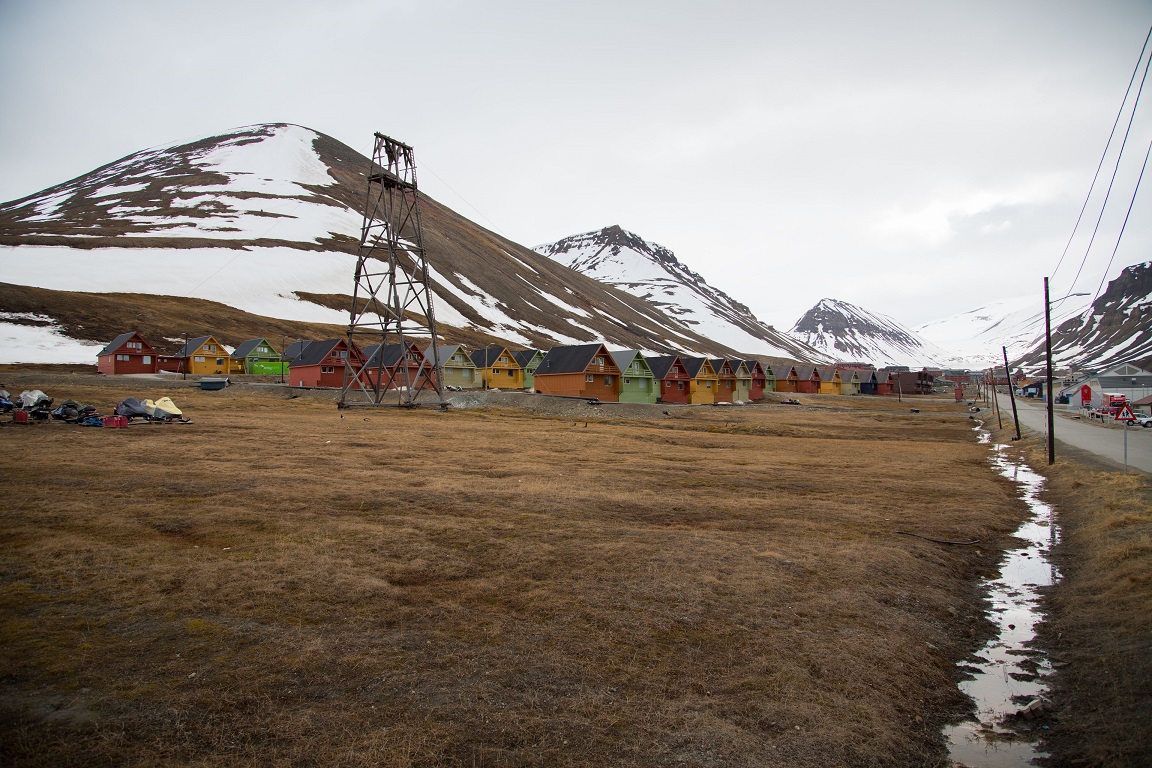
[[1125, 413]]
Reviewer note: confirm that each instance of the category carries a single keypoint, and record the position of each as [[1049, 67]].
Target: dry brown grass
[[276, 585]]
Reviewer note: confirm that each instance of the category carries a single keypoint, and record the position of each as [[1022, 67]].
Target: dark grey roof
[[662, 364], [751, 366], [694, 365], [718, 364], [573, 359], [623, 357], [251, 344], [295, 348], [524, 356], [486, 357], [804, 372], [192, 346], [445, 353], [118, 342], [390, 354], [315, 352]]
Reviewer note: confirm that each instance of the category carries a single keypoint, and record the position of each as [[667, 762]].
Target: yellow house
[[702, 389], [830, 381], [202, 355], [498, 368]]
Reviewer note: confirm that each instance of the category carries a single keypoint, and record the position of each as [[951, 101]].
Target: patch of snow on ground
[[43, 344], [118, 190]]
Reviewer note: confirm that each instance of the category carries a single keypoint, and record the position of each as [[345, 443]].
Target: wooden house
[[456, 366], [725, 380], [702, 390], [498, 368], [867, 379], [322, 363], [743, 391], [769, 378], [829, 381], [397, 366], [258, 356], [637, 382], [203, 355], [849, 381], [787, 380], [528, 360], [757, 379], [127, 353], [583, 370], [885, 383], [807, 379], [672, 379]]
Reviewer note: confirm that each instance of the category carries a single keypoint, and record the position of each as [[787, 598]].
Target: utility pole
[[1048, 383], [1011, 391]]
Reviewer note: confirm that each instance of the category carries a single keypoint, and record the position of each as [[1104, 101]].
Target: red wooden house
[[673, 377], [127, 353], [583, 370], [885, 383], [807, 379], [395, 366], [321, 364], [725, 380], [759, 380]]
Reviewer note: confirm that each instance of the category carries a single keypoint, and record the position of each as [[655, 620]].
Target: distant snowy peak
[[650, 271], [1116, 328], [849, 333], [246, 185]]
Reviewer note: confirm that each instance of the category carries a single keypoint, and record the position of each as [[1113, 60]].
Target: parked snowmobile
[[133, 408]]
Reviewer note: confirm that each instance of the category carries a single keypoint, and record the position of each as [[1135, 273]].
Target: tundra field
[[279, 583]]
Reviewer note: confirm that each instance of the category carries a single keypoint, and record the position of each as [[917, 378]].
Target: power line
[[424, 164], [1125, 224]]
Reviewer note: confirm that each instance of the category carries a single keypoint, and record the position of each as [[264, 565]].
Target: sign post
[[1125, 415]]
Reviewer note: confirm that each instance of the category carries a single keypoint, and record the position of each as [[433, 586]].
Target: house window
[[510, 372], [263, 349], [122, 358], [680, 386], [341, 354], [589, 378], [708, 385], [147, 360], [198, 359], [209, 347], [327, 369], [219, 361], [134, 345], [627, 380], [466, 374], [607, 381]]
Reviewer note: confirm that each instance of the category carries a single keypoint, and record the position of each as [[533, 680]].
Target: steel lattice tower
[[391, 301]]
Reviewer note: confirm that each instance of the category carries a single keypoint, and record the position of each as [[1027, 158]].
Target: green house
[[529, 360], [769, 378], [258, 356], [637, 384], [456, 367]]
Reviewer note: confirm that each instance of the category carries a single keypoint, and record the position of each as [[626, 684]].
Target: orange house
[[583, 370], [725, 380]]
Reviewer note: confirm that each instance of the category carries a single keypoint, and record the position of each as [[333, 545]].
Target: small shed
[[258, 356], [673, 381], [498, 368], [582, 370], [637, 382], [127, 353], [703, 380]]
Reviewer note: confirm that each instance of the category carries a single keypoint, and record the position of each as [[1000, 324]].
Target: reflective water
[[1009, 675]]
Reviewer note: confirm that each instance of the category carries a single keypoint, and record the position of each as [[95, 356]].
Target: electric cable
[[1131, 203]]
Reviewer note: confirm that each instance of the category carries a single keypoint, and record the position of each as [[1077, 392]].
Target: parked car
[[1143, 421]]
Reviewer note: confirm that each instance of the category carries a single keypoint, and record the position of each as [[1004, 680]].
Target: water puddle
[[1009, 676]]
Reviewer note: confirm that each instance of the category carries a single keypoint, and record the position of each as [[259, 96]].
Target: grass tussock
[[273, 584]]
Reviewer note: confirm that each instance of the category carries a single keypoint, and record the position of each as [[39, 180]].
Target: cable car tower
[[391, 301]]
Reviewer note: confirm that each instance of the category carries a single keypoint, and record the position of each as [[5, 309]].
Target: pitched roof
[[662, 364], [315, 352], [391, 354], [192, 346], [524, 356], [623, 357], [487, 356], [445, 353], [573, 359], [118, 342], [804, 372], [752, 365], [718, 364], [294, 349], [695, 366], [251, 344]]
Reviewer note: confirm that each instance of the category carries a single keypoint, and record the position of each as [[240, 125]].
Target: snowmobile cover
[[132, 408], [30, 398], [69, 410], [164, 409]]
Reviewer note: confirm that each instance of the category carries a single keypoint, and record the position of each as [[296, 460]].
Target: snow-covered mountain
[[266, 219], [978, 335], [1116, 328], [619, 258], [848, 333]]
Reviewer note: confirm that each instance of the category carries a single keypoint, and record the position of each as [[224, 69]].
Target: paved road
[[1106, 441]]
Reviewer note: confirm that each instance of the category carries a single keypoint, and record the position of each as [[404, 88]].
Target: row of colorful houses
[[583, 370]]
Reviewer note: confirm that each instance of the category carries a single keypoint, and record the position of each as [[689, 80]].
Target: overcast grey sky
[[915, 158]]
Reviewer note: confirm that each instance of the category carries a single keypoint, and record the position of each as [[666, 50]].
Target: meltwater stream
[[1009, 675]]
